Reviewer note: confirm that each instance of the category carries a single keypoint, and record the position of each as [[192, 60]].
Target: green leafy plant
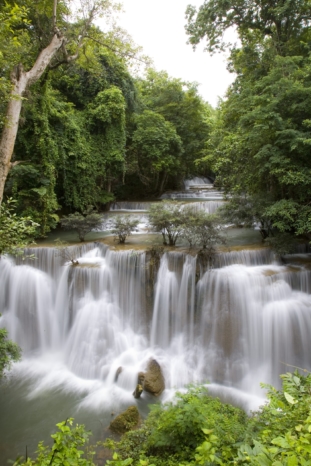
[[166, 218], [9, 352], [122, 226], [82, 224], [66, 450], [15, 232]]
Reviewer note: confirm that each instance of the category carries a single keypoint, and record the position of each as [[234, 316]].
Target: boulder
[[151, 381], [154, 382], [125, 421]]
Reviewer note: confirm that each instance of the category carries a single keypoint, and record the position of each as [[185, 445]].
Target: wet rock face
[[126, 421], [151, 381]]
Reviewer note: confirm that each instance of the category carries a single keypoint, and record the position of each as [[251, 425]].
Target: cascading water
[[130, 206], [235, 325], [197, 181]]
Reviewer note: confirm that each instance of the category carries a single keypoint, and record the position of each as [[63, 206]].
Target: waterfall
[[130, 205], [236, 325], [197, 181]]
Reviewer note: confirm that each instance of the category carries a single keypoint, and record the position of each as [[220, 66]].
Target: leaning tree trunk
[[21, 80]]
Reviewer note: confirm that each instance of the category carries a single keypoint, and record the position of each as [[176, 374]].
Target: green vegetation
[[259, 146], [167, 218], [197, 429], [176, 220], [82, 224], [89, 132], [66, 448], [9, 352], [122, 226], [15, 232]]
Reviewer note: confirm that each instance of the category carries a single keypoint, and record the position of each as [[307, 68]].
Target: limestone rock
[[126, 421], [154, 382]]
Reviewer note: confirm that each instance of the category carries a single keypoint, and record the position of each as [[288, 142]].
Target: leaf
[[41, 191], [290, 399]]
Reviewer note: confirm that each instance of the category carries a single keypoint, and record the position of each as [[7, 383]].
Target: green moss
[[125, 421]]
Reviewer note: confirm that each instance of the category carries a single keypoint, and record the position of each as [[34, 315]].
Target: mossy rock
[[125, 421], [153, 381]]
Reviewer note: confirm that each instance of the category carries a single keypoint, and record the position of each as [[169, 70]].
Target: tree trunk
[[21, 80]]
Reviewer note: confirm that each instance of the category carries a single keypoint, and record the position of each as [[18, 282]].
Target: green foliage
[[167, 218], [66, 449], [173, 431], [196, 429], [122, 226], [281, 430], [203, 230], [9, 352], [241, 210], [259, 145], [15, 232], [82, 224], [157, 148], [281, 22], [175, 220], [179, 103]]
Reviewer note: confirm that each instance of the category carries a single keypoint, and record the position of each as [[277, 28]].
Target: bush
[[82, 224], [66, 449], [203, 229], [167, 218], [174, 430], [122, 226], [15, 232], [9, 352]]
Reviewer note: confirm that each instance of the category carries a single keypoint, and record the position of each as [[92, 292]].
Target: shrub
[[9, 352], [66, 448], [15, 232], [122, 226], [167, 218], [174, 430], [82, 224], [203, 229]]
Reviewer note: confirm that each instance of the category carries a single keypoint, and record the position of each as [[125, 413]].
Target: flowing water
[[235, 325]]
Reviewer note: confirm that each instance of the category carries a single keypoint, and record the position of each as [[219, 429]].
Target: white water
[[130, 206], [197, 181], [199, 194], [236, 327]]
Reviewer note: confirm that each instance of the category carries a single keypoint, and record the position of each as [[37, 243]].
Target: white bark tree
[[22, 79]]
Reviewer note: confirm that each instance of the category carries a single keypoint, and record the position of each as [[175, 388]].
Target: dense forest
[[91, 131]]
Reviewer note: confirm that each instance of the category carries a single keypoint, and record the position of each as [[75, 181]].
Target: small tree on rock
[[167, 218], [203, 230], [83, 224], [122, 227]]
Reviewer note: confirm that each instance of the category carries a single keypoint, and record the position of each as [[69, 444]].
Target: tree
[[167, 218], [82, 224], [281, 21], [203, 229], [157, 147], [180, 104], [21, 79], [122, 226], [9, 352]]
